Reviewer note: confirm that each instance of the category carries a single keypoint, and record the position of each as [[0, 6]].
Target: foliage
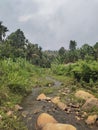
[[82, 70], [16, 45], [3, 30], [18, 73], [72, 55], [11, 123], [48, 90], [62, 51], [86, 71], [17, 39], [17, 79], [58, 69], [72, 45]]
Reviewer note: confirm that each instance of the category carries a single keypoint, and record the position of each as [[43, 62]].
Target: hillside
[[66, 79]]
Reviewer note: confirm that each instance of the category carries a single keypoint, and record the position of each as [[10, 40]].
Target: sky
[[52, 23]]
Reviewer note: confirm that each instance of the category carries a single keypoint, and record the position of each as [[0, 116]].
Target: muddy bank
[[32, 108]]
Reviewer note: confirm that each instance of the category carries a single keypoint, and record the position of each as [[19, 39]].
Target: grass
[[94, 110], [17, 78], [48, 90]]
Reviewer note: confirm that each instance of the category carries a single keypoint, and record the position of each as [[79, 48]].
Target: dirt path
[[32, 108]]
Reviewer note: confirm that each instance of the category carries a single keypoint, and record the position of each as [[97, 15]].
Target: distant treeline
[[86, 52], [16, 45]]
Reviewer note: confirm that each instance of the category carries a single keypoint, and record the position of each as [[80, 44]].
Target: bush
[[17, 88], [3, 97], [86, 71], [60, 69]]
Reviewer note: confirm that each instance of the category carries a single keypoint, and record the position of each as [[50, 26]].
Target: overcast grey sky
[[52, 23]]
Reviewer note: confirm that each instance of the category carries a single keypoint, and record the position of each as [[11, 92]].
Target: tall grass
[[17, 78], [86, 71]]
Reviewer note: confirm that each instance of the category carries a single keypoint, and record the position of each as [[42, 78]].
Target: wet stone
[[67, 116]]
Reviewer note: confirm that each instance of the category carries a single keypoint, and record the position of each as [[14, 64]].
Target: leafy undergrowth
[[82, 75], [17, 79]]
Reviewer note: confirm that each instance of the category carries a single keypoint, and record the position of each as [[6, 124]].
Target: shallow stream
[[32, 108]]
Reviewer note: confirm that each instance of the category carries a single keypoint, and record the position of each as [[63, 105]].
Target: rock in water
[[83, 95], [55, 100], [58, 126], [61, 105], [90, 103], [91, 119], [41, 97], [43, 119]]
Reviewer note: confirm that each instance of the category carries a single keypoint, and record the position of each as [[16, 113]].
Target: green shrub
[[17, 88], [86, 71], [3, 97], [17, 78], [60, 69]]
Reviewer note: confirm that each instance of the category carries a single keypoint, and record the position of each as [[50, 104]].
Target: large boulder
[[55, 100], [43, 119], [58, 126], [83, 95], [90, 104], [91, 119], [41, 97], [62, 106]]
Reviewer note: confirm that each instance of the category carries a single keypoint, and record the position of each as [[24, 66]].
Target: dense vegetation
[[74, 54], [16, 45], [17, 79], [24, 65]]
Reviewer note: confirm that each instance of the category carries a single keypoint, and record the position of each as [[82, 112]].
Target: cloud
[[52, 23], [25, 18]]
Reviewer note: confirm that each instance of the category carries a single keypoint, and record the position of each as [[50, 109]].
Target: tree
[[71, 56], [86, 50], [72, 45], [96, 50], [17, 39], [3, 31], [62, 51], [96, 45], [34, 53], [18, 42], [6, 50]]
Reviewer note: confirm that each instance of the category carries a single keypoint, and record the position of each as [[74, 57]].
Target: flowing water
[[32, 108]]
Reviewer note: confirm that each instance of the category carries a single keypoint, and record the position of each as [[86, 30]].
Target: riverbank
[[32, 108]]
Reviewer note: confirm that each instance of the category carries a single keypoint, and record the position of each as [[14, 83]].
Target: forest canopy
[[17, 45]]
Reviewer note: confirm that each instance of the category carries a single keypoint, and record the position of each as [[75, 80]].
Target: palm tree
[[72, 45], [3, 31]]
